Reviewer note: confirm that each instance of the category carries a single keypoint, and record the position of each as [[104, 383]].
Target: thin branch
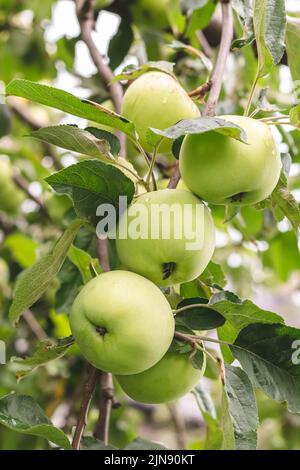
[[22, 184], [219, 69], [86, 16], [218, 72], [88, 391], [201, 91], [25, 116], [179, 425], [106, 403], [34, 325], [103, 253], [204, 44]]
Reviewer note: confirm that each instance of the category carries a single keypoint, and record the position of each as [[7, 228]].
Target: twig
[[103, 253], [105, 406], [179, 425], [88, 391], [218, 72], [204, 44], [26, 117], [34, 325], [86, 16], [202, 90], [22, 183]]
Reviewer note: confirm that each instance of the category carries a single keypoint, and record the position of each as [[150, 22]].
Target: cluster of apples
[[122, 320]]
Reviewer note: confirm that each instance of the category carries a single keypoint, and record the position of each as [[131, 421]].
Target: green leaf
[[200, 17], [120, 43], [113, 140], [176, 18], [283, 200], [131, 72], [214, 435], [227, 426], [69, 103], [238, 314], [23, 249], [244, 12], [198, 317], [198, 126], [22, 414], [34, 281], [242, 407], [91, 443], [73, 138], [45, 352], [266, 354], [213, 275], [295, 116], [143, 444], [293, 53], [84, 262], [198, 360], [91, 183], [269, 20]]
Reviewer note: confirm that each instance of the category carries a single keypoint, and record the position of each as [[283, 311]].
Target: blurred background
[[259, 254]]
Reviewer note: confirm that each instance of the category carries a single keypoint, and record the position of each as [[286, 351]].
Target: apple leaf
[[200, 16], [91, 443], [69, 103], [213, 275], [84, 262], [295, 116], [75, 139], [197, 125], [131, 72], [266, 354], [269, 19], [91, 183], [22, 414], [214, 435], [238, 314], [45, 352], [33, 282], [113, 140], [198, 317], [293, 53], [143, 444], [242, 408], [244, 12]]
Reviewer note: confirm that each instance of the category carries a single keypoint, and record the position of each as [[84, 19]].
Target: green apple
[[150, 13], [222, 170], [171, 378], [122, 322], [157, 100], [183, 243], [10, 196]]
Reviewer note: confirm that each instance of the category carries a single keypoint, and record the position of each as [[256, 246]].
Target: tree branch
[[22, 184], [218, 72], [105, 406], [88, 390], [34, 325], [86, 16], [28, 119]]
